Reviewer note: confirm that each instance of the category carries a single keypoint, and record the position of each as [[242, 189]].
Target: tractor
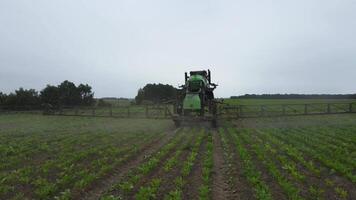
[[195, 100]]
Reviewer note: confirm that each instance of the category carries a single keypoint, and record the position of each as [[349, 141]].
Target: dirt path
[[100, 188], [220, 187]]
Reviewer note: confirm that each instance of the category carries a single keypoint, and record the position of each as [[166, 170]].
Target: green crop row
[[179, 182], [314, 190], [294, 153], [69, 170], [207, 169], [149, 191], [289, 150], [261, 152], [228, 155], [318, 139], [252, 175], [135, 174], [317, 151]]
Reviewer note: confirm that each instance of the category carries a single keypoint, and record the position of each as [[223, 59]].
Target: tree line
[[64, 94], [156, 93], [295, 96]]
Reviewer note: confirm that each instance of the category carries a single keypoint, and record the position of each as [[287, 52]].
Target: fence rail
[[248, 111], [147, 111], [165, 111]]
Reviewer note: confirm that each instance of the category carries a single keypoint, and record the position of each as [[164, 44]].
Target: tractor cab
[[196, 98]]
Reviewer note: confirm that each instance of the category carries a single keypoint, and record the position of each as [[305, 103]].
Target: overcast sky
[[117, 46]]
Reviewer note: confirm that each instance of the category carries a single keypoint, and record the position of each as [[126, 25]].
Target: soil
[[194, 180], [275, 189], [325, 173], [98, 189], [159, 171], [168, 178], [220, 187]]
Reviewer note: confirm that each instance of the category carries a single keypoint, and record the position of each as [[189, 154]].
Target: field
[[284, 101], [64, 157]]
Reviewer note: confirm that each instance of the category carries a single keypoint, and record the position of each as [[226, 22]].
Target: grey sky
[[266, 46]]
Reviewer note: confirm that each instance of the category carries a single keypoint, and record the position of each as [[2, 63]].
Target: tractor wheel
[[214, 123], [177, 123]]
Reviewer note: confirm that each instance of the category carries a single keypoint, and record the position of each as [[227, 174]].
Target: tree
[[23, 97], [86, 95], [140, 96], [50, 94], [156, 93], [2, 98], [69, 94]]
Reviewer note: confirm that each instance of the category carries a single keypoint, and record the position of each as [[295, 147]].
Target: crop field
[[64, 157]]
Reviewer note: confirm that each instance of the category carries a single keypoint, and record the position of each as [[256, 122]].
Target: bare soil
[[220, 185]]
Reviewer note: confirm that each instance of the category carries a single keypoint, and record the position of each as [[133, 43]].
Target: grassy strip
[[252, 175], [208, 162]]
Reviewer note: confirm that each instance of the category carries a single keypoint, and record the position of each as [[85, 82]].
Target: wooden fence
[[145, 111], [165, 111], [248, 111]]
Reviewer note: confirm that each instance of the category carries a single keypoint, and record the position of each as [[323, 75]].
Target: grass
[[284, 101]]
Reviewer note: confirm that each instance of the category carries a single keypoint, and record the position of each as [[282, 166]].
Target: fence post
[[329, 108], [237, 112], [305, 109], [240, 110], [262, 110], [283, 110], [146, 111], [93, 112], [165, 111], [128, 111], [350, 107]]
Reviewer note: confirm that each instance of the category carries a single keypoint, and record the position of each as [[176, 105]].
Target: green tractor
[[195, 100]]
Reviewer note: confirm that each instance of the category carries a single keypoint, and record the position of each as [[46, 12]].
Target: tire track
[[220, 186]]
